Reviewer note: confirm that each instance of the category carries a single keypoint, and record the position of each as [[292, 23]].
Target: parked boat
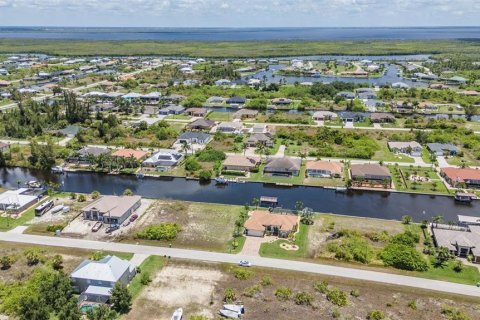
[[229, 314], [238, 308], [465, 197], [341, 189], [178, 314], [57, 169], [34, 184], [221, 180], [140, 176]]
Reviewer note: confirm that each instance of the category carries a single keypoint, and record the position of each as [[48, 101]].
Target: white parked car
[[245, 263]]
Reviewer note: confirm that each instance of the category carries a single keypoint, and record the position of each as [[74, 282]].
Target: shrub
[[73, 195], [97, 255], [95, 194], [413, 304], [229, 295], [375, 315], [81, 198], [321, 287], [205, 175], [145, 278], [251, 291], [55, 227], [352, 247], [57, 262], [337, 297], [355, 293], [336, 314], [458, 266], [403, 257], [192, 165], [283, 293], [33, 256], [6, 261], [266, 281], [127, 192], [164, 231], [452, 313], [303, 298], [407, 238], [242, 273]]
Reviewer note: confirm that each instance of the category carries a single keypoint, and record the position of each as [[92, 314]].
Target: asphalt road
[[380, 277]]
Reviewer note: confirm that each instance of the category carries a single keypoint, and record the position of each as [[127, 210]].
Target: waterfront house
[[402, 107], [193, 138], [260, 139], [236, 100], [324, 115], [223, 82], [84, 156], [259, 128], [201, 124], [283, 167], [324, 169], [230, 127], [461, 177], [130, 153], [94, 280], [442, 149], [240, 163], [370, 175], [171, 110], [412, 148], [282, 101], [215, 100], [173, 98], [111, 209], [162, 160], [260, 223], [196, 112], [461, 241]]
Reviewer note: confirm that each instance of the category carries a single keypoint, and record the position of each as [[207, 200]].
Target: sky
[[239, 13]]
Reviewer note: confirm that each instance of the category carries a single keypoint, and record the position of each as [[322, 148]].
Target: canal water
[[372, 204]]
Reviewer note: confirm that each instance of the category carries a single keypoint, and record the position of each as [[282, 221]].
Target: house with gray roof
[[441, 149], [94, 280], [111, 209], [171, 109], [461, 241], [82, 156], [201, 124], [412, 148], [283, 167], [193, 137], [230, 127]]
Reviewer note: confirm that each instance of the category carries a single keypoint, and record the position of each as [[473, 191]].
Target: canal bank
[[372, 204]]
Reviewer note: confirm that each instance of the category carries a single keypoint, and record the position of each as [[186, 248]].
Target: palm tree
[[244, 147], [185, 147], [437, 219], [256, 202]]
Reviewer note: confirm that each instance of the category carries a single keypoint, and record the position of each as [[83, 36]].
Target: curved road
[[358, 274]]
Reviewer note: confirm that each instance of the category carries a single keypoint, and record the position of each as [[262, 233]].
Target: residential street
[[358, 274]]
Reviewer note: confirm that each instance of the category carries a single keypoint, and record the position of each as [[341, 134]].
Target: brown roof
[[241, 161], [333, 167], [127, 153], [196, 110], [258, 220], [369, 169], [460, 175], [203, 123]]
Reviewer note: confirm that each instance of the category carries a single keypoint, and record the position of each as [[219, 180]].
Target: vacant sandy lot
[[191, 287], [199, 289]]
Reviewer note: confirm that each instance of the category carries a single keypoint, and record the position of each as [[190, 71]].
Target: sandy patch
[[289, 247]]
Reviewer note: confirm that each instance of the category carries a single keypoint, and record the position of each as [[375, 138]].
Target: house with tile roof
[[323, 169], [260, 223]]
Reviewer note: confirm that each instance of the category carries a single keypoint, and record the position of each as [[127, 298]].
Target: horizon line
[[247, 27]]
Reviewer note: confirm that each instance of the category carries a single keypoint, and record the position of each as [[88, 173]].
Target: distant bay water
[[240, 34]]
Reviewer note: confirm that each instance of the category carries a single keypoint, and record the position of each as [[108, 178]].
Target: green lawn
[[363, 124], [273, 250], [9, 223], [469, 275], [259, 177], [426, 156], [405, 184], [240, 242], [150, 266], [220, 116]]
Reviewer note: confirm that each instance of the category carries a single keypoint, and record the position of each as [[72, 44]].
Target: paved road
[[386, 278]]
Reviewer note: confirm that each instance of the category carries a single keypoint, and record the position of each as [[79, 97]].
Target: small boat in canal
[[464, 197], [221, 180], [57, 169], [34, 184]]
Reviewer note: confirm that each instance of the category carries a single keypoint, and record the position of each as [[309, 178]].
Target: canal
[[372, 204]]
